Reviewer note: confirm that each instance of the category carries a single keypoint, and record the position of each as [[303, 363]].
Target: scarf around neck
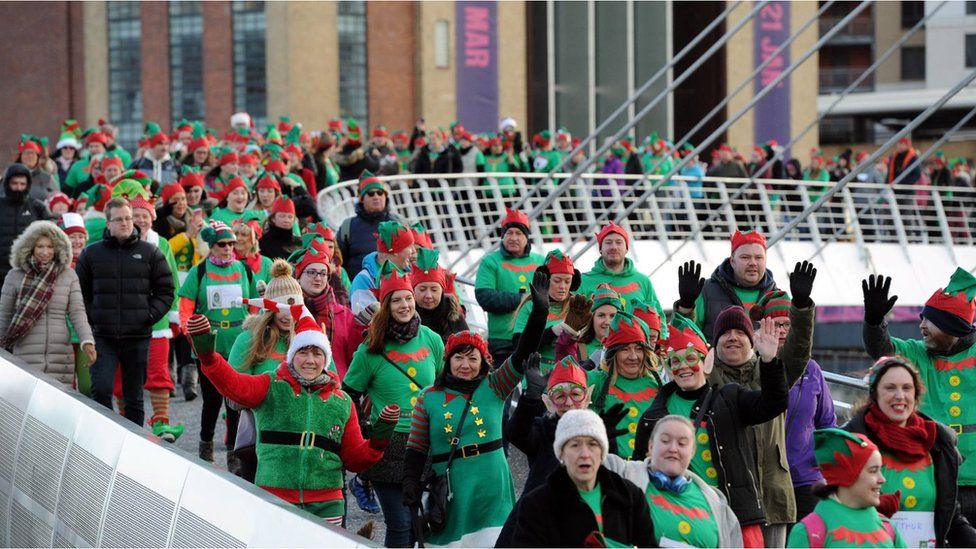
[[220, 262], [910, 443], [32, 298], [402, 332], [321, 379]]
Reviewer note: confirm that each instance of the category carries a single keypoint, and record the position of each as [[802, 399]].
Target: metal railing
[[860, 29], [835, 79]]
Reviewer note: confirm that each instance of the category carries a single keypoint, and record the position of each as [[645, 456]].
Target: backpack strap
[[889, 528], [816, 530]]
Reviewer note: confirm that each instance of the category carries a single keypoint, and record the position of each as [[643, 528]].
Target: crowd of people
[[201, 261]]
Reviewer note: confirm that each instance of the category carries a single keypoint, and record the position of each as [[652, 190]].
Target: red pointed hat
[[392, 237], [323, 230], [426, 269], [232, 185], [517, 218], [682, 333], [392, 280], [317, 252], [460, 339], [609, 229], [268, 182], [191, 179], [559, 263], [566, 370], [739, 238], [957, 299], [624, 330], [647, 313], [841, 455], [283, 204]]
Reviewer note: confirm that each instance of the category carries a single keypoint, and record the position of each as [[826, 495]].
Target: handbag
[[439, 486]]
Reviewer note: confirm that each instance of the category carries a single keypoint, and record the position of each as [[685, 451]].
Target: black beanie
[[734, 317]]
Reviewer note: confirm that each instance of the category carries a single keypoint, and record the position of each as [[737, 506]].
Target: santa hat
[[268, 182], [682, 334], [217, 231], [392, 237], [369, 182], [577, 423], [283, 204], [317, 251], [624, 330], [170, 191], [506, 123], [559, 263], [772, 304], [605, 295], [841, 455], [647, 313], [517, 219], [421, 237], [59, 198], [307, 334], [566, 370], [461, 339], [952, 308], [73, 223], [740, 238], [426, 269], [392, 280], [240, 119], [191, 179], [609, 229]]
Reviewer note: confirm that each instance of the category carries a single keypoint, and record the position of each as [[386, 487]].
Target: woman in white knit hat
[[582, 502]]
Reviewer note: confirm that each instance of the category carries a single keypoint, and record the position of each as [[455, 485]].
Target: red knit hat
[[559, 263], [229, 157], [369, 182], [158, 139], [96, 137], [247, 160], [316, 252], [140, 203], [426, 269], [232, 185], [275, 166], [112, 161], [566, 370], [29, 145], [169, 191], [609, 229], [517, 218], [268, 182], [198, 143], [283, 205], [739, 238], [953, 308], [191, 179], [461, 339], [60, 198], [392, 280]]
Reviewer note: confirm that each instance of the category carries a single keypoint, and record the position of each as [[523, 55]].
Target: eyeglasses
[[786, 325], [562, 397], [375, 193], [121, 220], [689, 359], [316, 274], [224, 244]]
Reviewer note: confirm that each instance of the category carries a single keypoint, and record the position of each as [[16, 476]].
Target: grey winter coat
[[47, 346]]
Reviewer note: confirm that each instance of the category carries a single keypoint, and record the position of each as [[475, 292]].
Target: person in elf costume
[[919, 459], [433, 290], [211, 288], [399, 358], [545, 158], [846, 514], [307, 427], [500, 158], [266, 192], [394, 244], [248, 250], [587, 345], [619, 272], [502, 279], [460, 415], [233, 206], [686, 510], [401, 142], [945, 358], [647, 313], [74, 226], [566, 306], [421, 237], [725, 458], [338, 278], [626, 381], [187, 246], [226, 170]]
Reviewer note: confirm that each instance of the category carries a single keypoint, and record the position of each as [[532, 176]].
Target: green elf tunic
[[403, 160], [229, 216], [213, 297], [547, 161], [915, 480], [847, 527], [161, 329], [484, 492], [547, 350], [685, 518], [822, 175], [635, 394], [594, 500], [238, 355], [498, 163], [629, 283], [649, 160], [421, 357], [95, 224], [701, 463], [950, 380], [499, 271]]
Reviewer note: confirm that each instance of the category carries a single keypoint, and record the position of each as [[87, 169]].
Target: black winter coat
[[357, 237], [127, 286], [16, 213], [352, 161], [731, 409], [278, 243], [719, 295], [555, 515], [448, 161], [951, 527]]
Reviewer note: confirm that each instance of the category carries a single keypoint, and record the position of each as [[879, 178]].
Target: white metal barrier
[[74, 475]]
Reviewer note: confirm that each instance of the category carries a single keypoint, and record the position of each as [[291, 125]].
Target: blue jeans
[[396, 515], [131, 355]]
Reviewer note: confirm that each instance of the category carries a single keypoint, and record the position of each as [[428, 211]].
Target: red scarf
[[910, 443]]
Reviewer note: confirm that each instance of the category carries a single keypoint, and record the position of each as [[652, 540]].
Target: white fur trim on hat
[[577, 423], [507, 122], [68, 142], [309, 338], [240, 118]]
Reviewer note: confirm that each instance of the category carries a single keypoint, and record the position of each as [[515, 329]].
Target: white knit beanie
[[575, 423]]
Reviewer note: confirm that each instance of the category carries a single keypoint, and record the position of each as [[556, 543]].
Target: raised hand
[[540, 290], [765, 340], [690, 284], [202, 338], [535, 380], [877, 304], [579, 313], [801, 283], [612, 417]]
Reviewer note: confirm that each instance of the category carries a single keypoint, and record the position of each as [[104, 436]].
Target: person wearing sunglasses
[[355, 236], [211, 288]]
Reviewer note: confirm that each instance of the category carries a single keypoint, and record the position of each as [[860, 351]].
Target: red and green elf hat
[[647, 313], [841, 454], [421, 237], [740, 238], [567, 370], [129, 189], [317, 251], [952, 308], [426, 269], [353, 135], [217, 231], [392, 237], [605, 295], [462, 339], [28, 144], [683, 333], [612, 228], [392, 280], [137, 175], [369, 182], [772, 304], [624, 330], [517, 219], [559, 263]]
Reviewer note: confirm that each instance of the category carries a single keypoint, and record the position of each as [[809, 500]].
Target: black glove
[[690, 284], [540, 290], [801, 284], [877, 304], [612, 417], [412, 492], [535, 380], [413, 469]]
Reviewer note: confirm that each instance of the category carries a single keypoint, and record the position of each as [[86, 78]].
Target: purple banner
[[772, 113], [477, 65]]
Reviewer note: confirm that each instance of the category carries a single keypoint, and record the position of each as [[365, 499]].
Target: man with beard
[[945, 357]]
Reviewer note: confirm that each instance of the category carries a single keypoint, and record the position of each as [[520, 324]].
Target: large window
[[970, 50], [186, 60], [250, 76], [124, 76], [970, 7], [353, 99], [911, 13], [913, 63]]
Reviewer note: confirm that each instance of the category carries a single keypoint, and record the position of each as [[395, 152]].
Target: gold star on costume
[[474, 410], [482, 433], [448, 428], [479, 421], [448, 415]]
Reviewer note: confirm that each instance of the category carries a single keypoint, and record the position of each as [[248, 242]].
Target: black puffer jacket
[[951, 527], [555, 515], [278, 243], [127, 286], [730, 409], [17, 211], [357, 237]]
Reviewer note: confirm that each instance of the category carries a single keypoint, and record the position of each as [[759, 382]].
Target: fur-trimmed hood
[[23, 247]]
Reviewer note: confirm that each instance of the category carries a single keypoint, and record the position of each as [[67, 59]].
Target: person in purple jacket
[[811, 407]]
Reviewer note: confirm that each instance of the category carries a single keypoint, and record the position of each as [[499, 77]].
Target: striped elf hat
[[772, 304], [369, 182], [605, 295]]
